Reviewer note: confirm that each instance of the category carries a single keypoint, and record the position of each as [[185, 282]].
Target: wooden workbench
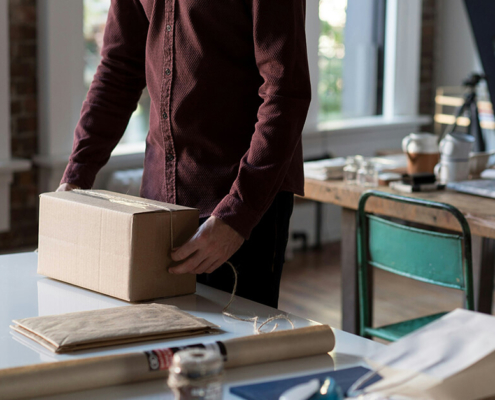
[[479, 212]]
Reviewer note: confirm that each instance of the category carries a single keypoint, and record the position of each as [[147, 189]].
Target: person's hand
[[67, 187], [212, 245]]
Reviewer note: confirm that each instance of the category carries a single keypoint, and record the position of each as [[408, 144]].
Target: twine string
[[255, 319]]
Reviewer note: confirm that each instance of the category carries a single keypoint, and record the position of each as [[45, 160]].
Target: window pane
[[95, 16], [350, 51], [331, 50]]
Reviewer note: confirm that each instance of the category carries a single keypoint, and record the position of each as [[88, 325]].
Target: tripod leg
[[475, 127], [458, 113]]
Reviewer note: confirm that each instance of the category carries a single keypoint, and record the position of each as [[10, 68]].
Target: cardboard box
[[114, 244]]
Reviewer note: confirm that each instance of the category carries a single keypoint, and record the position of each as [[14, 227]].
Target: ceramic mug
[[456, 146], [452, 171], [422, 152]]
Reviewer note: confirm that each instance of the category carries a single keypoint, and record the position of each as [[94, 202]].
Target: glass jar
[[350, 170], [367, 175], [196, 374]]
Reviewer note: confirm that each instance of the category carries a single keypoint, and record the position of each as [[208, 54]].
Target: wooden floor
[[311, 288]]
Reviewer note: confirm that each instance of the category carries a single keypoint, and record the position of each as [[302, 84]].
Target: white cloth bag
[[452, 358]]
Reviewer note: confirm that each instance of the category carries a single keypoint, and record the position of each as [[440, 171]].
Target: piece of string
[[254, 320], [131, 203]]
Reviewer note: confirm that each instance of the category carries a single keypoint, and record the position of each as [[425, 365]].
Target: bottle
[[367, 175], [196, 374], [350, 170]]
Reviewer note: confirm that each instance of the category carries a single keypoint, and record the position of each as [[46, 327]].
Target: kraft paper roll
[[279, 346], [91, 373]]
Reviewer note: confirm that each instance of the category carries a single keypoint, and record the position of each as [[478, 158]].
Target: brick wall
[[24, 190], [427, 81]]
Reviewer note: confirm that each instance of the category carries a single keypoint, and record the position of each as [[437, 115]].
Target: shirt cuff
[[82, 175], [237, 215]]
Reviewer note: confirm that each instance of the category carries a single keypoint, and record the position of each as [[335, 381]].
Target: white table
[[24, 293]]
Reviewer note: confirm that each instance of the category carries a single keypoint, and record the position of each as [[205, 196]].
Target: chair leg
[[350, 300], [483, 273], [350, 296], [318, 224]]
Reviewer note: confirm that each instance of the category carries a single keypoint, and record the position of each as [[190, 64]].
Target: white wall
[[60, 85], [60, 73], [456, 52]]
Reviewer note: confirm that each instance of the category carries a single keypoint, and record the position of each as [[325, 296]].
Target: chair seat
[[394, 332]]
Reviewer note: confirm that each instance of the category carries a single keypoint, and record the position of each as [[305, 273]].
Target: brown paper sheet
[[91, 329], [69, 376]]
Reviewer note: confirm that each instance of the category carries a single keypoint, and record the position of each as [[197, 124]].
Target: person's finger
[[185, 250], [214, 266], [189, 265], [204, 266]]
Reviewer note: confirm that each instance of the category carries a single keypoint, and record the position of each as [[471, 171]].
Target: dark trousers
[[260, 259]]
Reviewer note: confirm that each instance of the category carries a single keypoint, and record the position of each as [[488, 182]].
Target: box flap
[[115, 201]]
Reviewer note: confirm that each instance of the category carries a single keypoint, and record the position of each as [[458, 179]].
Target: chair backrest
[[416, 253], [439, 258]]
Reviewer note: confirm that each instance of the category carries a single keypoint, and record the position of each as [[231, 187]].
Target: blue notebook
[[273, 390]]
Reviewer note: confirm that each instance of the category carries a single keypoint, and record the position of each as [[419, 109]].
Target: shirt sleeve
[[114, 92], [281, 57]]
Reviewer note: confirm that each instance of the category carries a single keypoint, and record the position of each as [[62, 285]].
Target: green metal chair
[[442, 259]]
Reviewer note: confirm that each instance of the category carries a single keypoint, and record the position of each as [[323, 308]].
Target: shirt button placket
[[169, 143]]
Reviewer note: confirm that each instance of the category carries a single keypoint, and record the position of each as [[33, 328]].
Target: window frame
[[402, 58]]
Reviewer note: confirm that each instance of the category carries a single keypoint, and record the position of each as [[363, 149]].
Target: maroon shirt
[[230, 90]]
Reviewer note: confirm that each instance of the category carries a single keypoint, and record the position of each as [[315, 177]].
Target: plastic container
[[196, 374]]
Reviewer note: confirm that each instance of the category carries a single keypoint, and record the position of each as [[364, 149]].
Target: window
[[95, 16], [331, 52], [350, 54]]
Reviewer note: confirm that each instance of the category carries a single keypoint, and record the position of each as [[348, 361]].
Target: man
[[229, 87]]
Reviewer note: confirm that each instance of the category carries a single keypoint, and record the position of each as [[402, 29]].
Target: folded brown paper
[[114, 244], [89, 373], [90, 329]]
